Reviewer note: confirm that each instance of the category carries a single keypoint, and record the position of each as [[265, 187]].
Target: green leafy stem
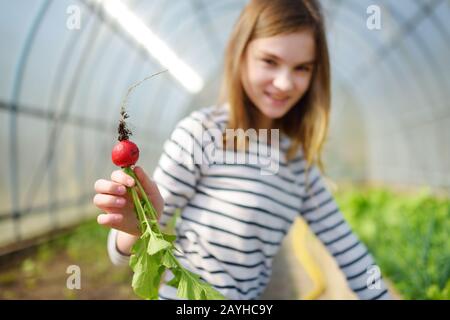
[[153, 254]]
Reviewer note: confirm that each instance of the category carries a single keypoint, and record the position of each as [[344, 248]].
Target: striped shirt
[[234, 219]]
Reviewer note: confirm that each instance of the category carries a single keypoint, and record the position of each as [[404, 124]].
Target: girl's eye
[[269, 62], [303, 69]]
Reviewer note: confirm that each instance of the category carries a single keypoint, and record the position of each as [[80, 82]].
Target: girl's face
[[277, 72]]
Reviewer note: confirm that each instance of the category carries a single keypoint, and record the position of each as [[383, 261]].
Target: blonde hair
[[307, 122]]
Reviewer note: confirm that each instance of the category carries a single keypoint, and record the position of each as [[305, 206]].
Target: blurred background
[[66, 66]]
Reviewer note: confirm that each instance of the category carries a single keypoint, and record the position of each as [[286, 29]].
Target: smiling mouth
[[276, 98]]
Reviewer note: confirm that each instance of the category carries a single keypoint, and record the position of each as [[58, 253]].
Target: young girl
[[235, 215]]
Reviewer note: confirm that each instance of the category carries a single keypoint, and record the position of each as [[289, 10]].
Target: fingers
[[112, 195], [108, 201], [119, 222], [110, 219], [121, 177], [109, 187]]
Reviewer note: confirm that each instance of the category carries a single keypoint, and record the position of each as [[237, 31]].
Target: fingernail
[[120, 201], [121, 189], [130, 182]]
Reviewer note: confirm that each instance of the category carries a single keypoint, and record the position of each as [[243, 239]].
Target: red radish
[[125, 153]]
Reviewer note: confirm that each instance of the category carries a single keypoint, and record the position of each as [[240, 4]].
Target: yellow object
[[301, 251]]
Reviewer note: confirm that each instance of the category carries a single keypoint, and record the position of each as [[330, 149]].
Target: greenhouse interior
[[69, 69]]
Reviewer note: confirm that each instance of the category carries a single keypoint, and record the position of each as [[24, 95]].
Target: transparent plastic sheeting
[[66, 65]]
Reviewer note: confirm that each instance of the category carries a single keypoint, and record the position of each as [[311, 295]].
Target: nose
[[283, 81]]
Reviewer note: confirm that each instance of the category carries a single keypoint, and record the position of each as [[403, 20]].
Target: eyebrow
[[271, 55]]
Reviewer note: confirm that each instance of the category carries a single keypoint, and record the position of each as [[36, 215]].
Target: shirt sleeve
[[117, 258], [180, 166], [325, 219]]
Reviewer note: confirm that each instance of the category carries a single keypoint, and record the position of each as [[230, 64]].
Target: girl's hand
[[113, 198]]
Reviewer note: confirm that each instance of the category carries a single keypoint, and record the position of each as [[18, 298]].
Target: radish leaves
[[153, 254]]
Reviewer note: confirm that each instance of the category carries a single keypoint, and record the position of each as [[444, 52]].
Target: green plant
[[408, 236]]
